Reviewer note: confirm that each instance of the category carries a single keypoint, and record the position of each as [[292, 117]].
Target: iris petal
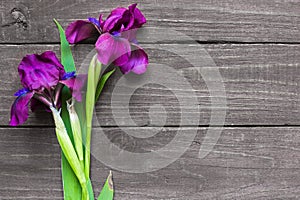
[[139, 18], [21, 92], [113, 21], [19, 109], [137, 63], [80, 30], [68, 75], [75, 85], [94, 21], [40, 71], [112, 49], [120, 19]]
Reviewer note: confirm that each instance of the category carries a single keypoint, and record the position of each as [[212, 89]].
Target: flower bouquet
[[57, 86]]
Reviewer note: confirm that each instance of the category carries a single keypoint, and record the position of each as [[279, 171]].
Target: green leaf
[[72, 188], [92, 81], [90, 190], [102, 82], [107, 192], [66, 53], [69, 151]]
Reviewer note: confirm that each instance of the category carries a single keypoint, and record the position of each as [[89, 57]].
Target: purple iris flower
[[116, 42], [42, 77]]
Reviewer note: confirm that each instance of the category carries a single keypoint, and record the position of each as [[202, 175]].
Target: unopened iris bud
[[76, 130]]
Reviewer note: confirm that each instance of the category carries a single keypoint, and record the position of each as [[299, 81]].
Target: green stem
[[93, 79]]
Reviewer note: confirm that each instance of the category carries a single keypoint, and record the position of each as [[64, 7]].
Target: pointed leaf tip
[[67, 59], [107, 192], [110, 181]]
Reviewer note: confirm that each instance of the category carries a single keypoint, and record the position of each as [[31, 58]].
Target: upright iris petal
[[120, 19], [139, 18], [40, 71]]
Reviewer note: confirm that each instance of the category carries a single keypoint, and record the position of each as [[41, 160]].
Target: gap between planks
[[173, 42]]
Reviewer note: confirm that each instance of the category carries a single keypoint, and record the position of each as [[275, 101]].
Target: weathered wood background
[[255, 44]]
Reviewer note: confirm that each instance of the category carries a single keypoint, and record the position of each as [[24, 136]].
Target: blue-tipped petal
[[68, 75], [21, 92], [75, 85], [95, 21], [116, 34], [19, 109]]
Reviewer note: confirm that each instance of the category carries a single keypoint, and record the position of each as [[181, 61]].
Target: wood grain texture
[[256, 48], [215, 20], [246, 163], [261, 83]]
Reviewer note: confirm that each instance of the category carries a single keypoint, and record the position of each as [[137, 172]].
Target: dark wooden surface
[[216, 20], [255, 45], [247, 163]]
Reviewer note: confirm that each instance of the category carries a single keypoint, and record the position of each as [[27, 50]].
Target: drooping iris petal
[[19, 109], [137, 63], [40, 71], [112, 49], [75, 84], [139, 18], [80, 30]]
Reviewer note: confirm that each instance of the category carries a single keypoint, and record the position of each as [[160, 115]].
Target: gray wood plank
[[246, 163], [222, 20], [261, 83]]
